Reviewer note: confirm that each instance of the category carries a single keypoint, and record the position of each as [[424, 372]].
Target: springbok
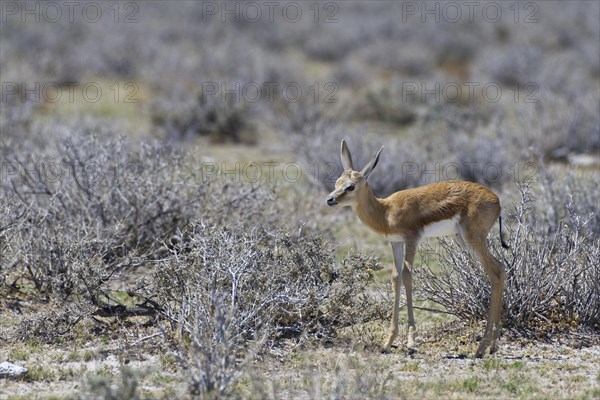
[[462, 209]]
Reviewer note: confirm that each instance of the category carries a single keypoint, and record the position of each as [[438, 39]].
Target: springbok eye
[[350, 188]]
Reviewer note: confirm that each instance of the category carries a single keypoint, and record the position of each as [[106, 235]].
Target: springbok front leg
[[398, 251], [411, 251]]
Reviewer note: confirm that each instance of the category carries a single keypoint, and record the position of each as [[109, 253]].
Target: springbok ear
[[346, 157], [369, 167]]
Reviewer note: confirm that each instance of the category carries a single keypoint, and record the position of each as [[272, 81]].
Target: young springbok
[[466, 210]]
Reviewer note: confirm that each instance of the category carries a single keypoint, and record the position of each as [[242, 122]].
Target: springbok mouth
[[331, 202]]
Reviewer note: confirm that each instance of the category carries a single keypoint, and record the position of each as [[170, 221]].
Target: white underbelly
[[395, 238], [446, 227]]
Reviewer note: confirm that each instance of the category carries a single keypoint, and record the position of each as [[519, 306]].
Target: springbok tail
[[501, 238]]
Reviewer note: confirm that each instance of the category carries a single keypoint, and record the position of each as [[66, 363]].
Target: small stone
[[10, 370]]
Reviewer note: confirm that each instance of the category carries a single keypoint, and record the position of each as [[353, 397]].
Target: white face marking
[[446, 227]]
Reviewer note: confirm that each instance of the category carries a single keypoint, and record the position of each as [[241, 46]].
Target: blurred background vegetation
[[447, 82], [131, 134]]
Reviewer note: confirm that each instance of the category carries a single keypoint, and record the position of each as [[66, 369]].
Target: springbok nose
[[331, 202]]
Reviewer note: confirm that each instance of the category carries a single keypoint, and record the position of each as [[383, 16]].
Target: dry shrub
[[386, 104], [108, 208], [234, 292], [559, 126], [95, 207], [49, 326], [221, 119], [102, 386], [517, 66]]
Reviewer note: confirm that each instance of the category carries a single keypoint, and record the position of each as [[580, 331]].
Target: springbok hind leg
[[496, 275], [501, 275]]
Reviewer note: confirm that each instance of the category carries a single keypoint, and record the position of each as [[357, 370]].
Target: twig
[[146, 338]]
